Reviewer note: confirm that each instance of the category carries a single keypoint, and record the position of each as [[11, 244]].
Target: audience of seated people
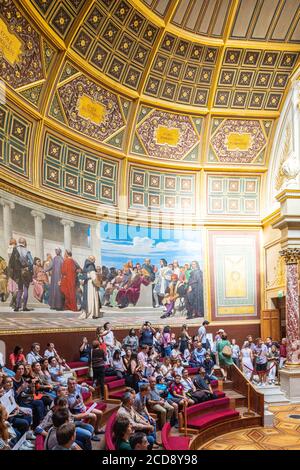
[[48, 400]]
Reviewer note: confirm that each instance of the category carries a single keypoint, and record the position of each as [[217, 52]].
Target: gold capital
[[291, 255]]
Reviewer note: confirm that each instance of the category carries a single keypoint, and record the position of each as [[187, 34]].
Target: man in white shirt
[[202, 334], [34, 354]]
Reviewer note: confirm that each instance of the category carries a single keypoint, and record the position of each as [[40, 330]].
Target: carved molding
[[291, 255]]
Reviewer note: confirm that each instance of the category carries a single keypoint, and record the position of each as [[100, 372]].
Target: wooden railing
[[243, 386]]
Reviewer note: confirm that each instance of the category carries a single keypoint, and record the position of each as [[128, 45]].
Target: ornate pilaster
[[68, 224], [8, 206], [292, 256], [38, 228]]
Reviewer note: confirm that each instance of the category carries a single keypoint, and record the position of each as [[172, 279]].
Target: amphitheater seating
[[208, 413], [109, 432], [114, 390], [39, 442], [173, 442]]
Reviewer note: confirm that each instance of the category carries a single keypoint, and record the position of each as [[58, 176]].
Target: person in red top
[[16, 356], [283, 352], [68, 281], [177, 394]]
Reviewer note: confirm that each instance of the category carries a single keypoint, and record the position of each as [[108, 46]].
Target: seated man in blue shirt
[[198, 355], [140, 405], [156, 403], [208, 365], [77, 406]]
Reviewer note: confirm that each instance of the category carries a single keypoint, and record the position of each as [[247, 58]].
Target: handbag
[[227, 351]]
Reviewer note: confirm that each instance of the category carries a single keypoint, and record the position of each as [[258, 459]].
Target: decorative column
[[38, 228], [96, 242], [68, 224], [292, 257], [8, 206]]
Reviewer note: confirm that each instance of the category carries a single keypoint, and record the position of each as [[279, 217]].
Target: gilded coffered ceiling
[[191, 85]]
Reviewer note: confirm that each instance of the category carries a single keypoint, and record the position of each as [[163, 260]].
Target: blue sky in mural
[[120, 243]]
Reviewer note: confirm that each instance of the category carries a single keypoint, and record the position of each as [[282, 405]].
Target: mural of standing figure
[[21, 270], [56, 301], [91, 302], [194, 296], [68, 281]]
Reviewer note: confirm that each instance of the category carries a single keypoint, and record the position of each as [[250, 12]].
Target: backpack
[[227, 351]]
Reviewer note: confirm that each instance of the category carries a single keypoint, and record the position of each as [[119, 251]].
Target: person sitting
[[77, 406], [84, 431], [175, 353], [51, 352], [57, 370], [8, 435], [117, 364], [140, 405], [42, 385], [178, 368], [177, 393], [138, 441], [208, 365], [138, 422], [24, 395], [198, 355], [158, 404], [131, 341], [166, 369], [198, 396], [84, 350], [59, 418], [16, 356], [65, 436], [34, 354], [122, 431], [201, 384], [20, 418]]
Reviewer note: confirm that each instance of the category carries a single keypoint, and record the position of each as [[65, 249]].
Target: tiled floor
[[285, 435], [44, 318]]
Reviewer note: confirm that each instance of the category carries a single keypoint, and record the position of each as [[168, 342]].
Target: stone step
[[268, 419], [276, 399]]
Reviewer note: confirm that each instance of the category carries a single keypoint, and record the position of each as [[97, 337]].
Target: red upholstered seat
[[76, 364], [214, 383], [115, 384], [109, 432], [39, 442], [110, 378], [211, 418], [117, 395], [101, 406], [219, 394], [84, 371], [213, 404], [86, 395], [193, 370], [173, 442]]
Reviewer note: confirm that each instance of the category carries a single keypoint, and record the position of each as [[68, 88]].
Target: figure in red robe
[[131, 293], [68, 281]]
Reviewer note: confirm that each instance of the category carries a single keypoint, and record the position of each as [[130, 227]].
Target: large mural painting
[[175, 262]]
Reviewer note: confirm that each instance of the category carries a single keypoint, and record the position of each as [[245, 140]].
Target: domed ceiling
[[164, 102]]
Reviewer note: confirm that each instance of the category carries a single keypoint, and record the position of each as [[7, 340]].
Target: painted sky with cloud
[[120, 243]]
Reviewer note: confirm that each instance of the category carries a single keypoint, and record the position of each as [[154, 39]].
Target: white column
[[68, 224], [38, 228], [96, 242], [8, 206]]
